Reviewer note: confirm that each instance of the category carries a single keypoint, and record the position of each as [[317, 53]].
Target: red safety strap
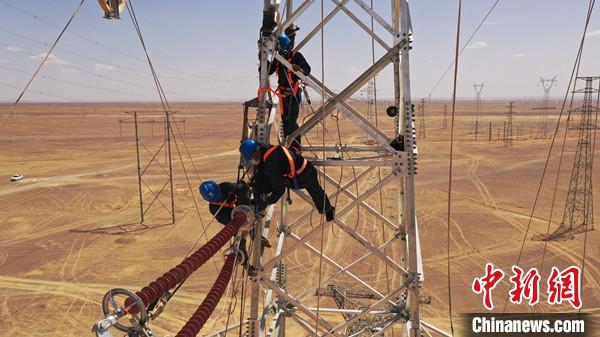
[[224, 204], [293, 172], [289, 74], [277, 93], [289, 77]]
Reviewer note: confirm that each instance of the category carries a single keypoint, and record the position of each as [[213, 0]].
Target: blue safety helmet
[[247, 148], [284, 42], [210, 191]]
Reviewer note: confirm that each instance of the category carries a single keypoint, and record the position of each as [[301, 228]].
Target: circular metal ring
[[248, 212], [116, 298]]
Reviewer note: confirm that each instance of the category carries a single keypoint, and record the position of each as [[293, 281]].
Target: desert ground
[[69, 231]]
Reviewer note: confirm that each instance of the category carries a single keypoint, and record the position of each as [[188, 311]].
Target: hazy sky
[[206, 49]]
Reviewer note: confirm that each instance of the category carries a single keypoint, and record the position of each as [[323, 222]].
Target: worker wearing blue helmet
[[289, 85], [223, 198], [277, 167]]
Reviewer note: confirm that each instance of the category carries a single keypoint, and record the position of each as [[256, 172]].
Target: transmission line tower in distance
[[422, 134], [547, 84], [445, 122], [369, 93], [578, 215], [478, 89], [508, 133]]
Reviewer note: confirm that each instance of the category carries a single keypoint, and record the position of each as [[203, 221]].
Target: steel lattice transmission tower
[[478, 89], [369, 94], [281, 295], [547, 85], [422, 134], [578, 215], [508, 128]]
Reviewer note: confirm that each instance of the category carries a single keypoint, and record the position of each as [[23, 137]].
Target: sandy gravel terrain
[[80, 174]]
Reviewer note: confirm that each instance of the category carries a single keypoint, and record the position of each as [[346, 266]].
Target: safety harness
[[284, 90], [225, 203], [293, 171]]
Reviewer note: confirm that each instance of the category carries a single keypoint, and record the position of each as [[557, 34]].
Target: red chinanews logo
[[562, 286]]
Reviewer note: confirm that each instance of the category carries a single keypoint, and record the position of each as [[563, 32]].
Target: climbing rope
[[449, 219], [465, 45], [166, 107], [383, 236]]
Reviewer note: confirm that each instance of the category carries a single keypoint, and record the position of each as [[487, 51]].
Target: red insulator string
[[199, 318], [173, 277]]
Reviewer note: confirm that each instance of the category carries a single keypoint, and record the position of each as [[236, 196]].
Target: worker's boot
[[330, 214], [265, 242]]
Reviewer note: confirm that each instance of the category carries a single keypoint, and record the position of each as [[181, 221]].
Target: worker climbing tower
[[372, 246], [282, 299], [578, 215]]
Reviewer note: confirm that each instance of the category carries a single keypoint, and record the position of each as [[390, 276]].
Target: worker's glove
[[297, 68], [291, 30]]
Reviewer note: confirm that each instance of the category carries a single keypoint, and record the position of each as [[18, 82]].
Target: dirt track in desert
[[80, 175]]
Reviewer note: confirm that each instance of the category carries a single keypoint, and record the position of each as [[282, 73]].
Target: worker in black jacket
[[288, 83], [278, 167], [223, 198]]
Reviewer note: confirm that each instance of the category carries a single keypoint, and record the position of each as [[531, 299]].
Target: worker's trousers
[[309, 181], [291, 110]]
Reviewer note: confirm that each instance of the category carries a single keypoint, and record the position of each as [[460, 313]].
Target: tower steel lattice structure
[[346, 300], [508, 125], [280, 294], [578, 215], [546, 84], [478, 90], [155, 173], [369, 94]]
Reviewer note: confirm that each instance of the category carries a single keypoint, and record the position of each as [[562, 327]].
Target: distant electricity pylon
[[478, 89], [422, 119], [445, 122], [369, 93], [508, 129], [345, 299], [547, 84], [578, 216], [160, 170]]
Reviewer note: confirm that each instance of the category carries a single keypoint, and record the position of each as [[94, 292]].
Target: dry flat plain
[[80, 175]]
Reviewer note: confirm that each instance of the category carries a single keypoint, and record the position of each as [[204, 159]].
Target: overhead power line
[[102, 45], [101, 61], [101, 76], [78, 84], [42, 93]]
